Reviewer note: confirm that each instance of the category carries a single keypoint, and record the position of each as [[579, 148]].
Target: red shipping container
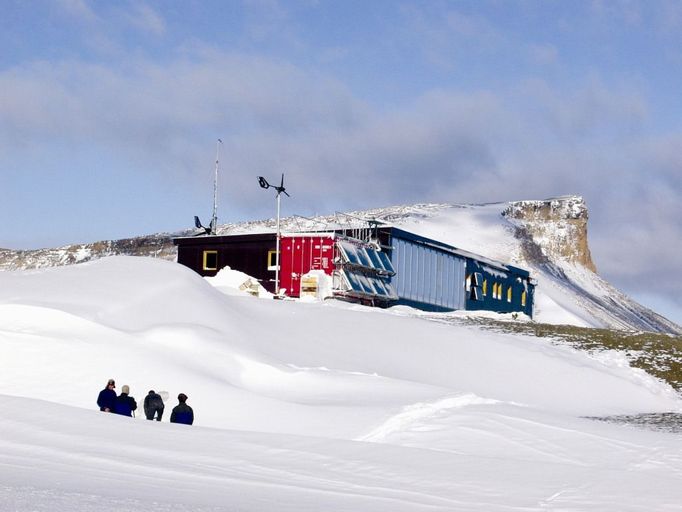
[[299, 254]]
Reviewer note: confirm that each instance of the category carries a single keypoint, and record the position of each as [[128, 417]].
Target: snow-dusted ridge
[[547, 237]]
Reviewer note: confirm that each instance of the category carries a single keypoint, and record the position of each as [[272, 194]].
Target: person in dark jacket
[[125, 404], [107, 397], [153, 405], [182, 413]]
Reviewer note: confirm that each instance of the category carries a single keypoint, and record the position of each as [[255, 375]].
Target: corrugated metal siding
[[427, 275]]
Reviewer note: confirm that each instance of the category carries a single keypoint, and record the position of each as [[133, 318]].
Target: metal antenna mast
[[214, 220], [264, 184]]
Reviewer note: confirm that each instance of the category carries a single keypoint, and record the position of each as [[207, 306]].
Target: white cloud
[[78, 9], [145, 18], [543, 54]]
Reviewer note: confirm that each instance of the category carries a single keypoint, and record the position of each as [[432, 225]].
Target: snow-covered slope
[[306, 406]]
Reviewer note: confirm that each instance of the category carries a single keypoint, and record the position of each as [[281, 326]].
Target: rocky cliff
[[553, 238], [554, 229]]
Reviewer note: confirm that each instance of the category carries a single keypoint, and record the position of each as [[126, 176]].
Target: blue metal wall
[[515, 278], [427, 277], [431, 275]]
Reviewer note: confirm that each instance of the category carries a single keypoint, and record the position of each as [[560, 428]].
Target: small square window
[[210, 260], [272, 260]]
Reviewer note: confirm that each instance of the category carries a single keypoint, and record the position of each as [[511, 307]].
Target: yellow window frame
[[272, 260], [205, 264]]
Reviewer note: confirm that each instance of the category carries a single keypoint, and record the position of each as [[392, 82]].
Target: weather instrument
[[280, 190], [211, 229]]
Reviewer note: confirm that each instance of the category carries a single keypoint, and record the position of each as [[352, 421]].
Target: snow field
[[305, 406]]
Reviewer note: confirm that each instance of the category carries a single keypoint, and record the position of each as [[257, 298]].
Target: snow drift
[[319, 406]]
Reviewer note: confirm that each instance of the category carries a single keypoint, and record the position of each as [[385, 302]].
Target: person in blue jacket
[[182, 413], [107, 397], [125, 404]]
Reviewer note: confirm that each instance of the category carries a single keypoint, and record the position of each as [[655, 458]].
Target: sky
[[110, 114], [296, 411]]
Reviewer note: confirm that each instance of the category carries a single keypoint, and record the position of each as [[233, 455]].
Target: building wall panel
[[428, 276]]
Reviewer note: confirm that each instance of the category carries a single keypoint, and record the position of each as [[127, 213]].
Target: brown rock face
[[554, 229]]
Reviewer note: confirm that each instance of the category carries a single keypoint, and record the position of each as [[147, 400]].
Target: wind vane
[[264, 184]]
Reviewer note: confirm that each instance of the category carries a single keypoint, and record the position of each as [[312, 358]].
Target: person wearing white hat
[[125, 404]]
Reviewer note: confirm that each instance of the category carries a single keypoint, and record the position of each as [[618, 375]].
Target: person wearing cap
[[125, 404], [153, 405], [107, 397], [182, 413]]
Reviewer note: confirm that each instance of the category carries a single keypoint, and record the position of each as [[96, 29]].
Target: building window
[[509, 294], [210, 260], [272, 260], [523, 298], [485, 287]]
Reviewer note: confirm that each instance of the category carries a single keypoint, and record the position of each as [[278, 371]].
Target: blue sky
[[110, 111]]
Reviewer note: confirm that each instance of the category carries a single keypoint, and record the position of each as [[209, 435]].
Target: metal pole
[[214, 219], [277, 250]]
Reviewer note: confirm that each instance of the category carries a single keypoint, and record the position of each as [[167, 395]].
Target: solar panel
[[376, 261], [349, 253], [386, 262], [366, 257], [353, 282], [368, 285], [363, 257]]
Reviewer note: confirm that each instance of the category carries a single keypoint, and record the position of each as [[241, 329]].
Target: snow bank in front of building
[[235, 282], [282, 391]]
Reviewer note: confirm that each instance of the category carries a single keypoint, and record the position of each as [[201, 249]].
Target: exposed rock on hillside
[[157, 246], [553, 238], [557, 227]]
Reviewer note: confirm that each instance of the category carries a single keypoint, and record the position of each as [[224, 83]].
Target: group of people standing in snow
[[124, 404]]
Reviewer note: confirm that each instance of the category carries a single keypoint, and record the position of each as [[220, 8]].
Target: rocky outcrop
[[553, 240], [158, 246], [552, 229]]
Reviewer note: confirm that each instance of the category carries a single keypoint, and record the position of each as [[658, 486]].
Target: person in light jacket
[[182, 413]]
